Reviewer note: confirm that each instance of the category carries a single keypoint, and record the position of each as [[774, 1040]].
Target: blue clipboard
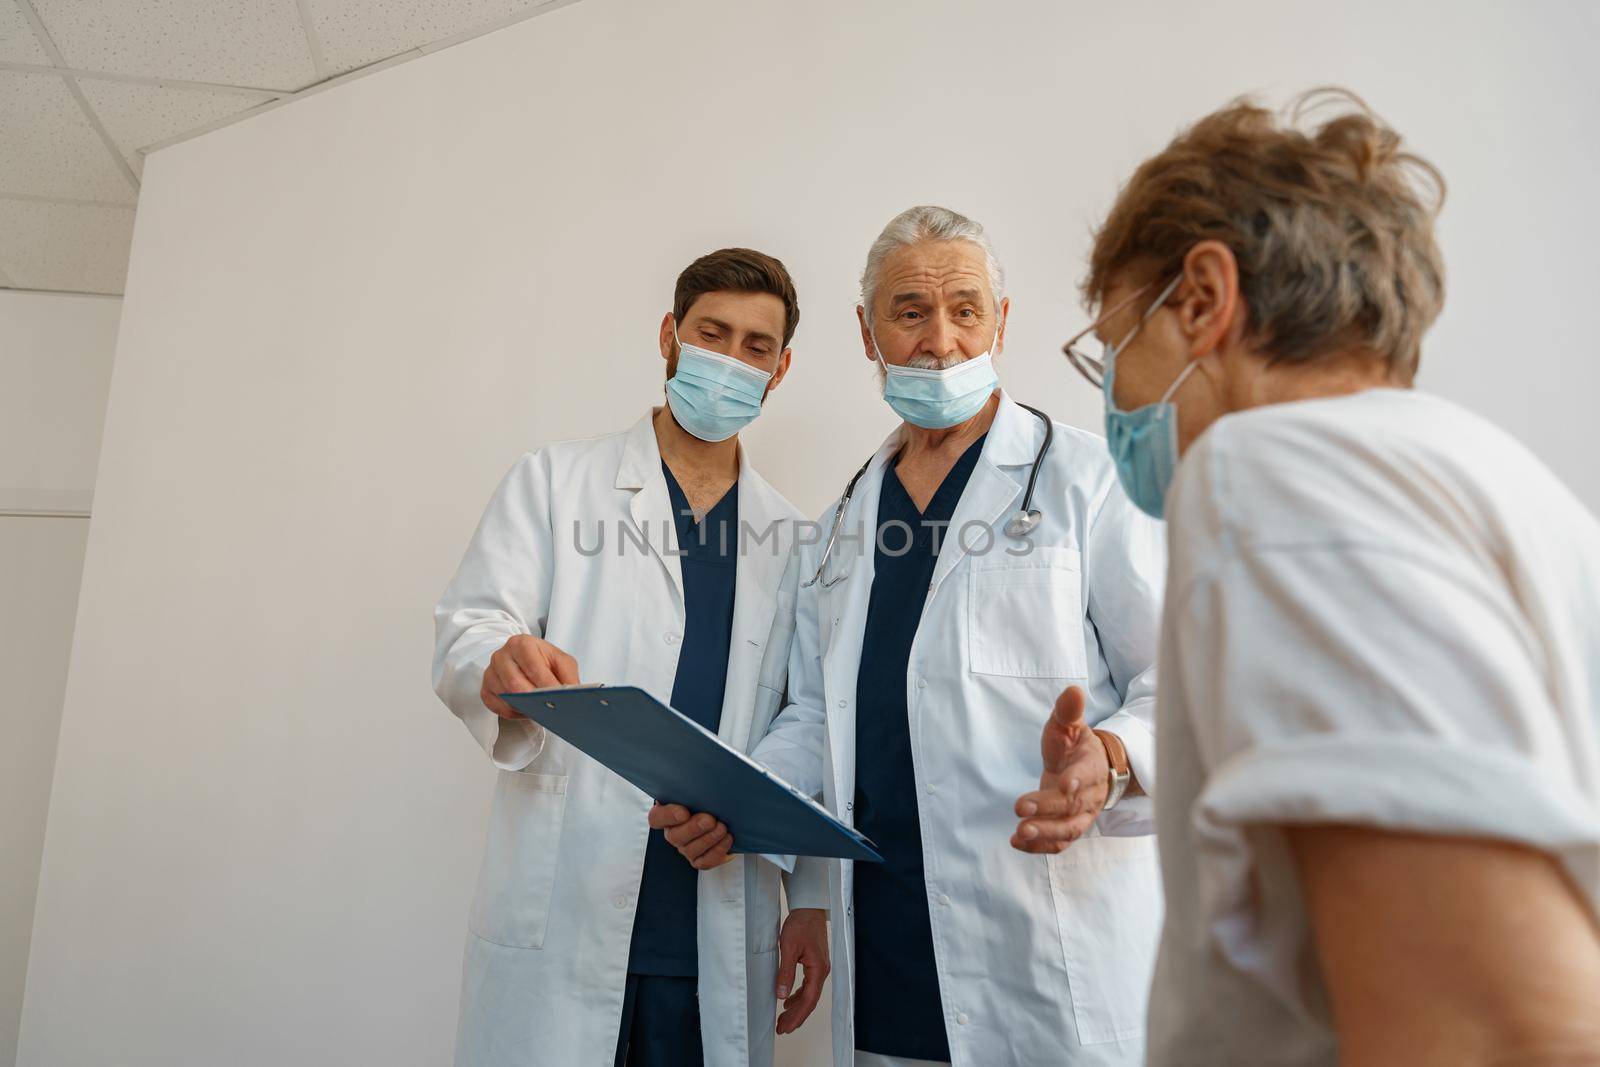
[[677, 761]]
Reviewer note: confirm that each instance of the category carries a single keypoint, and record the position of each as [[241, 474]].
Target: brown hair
[[1332, 227], [739, 270]]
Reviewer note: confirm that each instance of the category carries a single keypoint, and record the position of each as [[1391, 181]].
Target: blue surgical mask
[[938, 399], [1144, 441], [711, 395]]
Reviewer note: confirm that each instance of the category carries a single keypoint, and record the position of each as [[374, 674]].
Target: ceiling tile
[[50, 148], [17, 42], [139, 115], [73, 247], [357, 32], [258, 43]]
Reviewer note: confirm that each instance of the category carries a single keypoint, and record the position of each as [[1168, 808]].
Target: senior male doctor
[[650, 557], [930, 646]]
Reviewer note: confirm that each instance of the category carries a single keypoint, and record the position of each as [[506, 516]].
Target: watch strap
[[1121, 772]]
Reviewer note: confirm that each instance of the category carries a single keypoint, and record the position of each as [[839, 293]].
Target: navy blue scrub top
[[664, 925], [898, 1009]]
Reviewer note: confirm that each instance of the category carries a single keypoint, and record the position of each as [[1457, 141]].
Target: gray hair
[[928, 223], [1331, 226]]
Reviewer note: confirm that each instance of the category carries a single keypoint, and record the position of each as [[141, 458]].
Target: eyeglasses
[[1093, 368]]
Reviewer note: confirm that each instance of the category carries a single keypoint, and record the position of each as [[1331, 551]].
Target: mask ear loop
[[1193, 363], [1173, 388], [1114, 351]]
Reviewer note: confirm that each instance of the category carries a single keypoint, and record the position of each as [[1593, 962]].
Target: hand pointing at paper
[[525, 662]]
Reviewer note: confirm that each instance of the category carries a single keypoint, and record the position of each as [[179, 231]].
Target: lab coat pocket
[[774, 672], [519, 861], [780, 636], [1108, 912], [826, 606], [1025, 615], [761, 903]]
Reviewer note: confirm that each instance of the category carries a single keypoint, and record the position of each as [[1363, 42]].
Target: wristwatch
[[1120, 773]]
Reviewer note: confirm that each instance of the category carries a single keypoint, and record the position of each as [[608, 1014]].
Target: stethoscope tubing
[[1019, 525]]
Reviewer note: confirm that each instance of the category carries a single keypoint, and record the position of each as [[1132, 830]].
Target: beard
[[935, 362], [921, 362]]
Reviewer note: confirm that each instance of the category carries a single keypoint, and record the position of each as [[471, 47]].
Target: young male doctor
[[650, 557], [931, 642]]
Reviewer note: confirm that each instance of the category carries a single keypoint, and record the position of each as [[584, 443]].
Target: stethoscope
[[1019, 525]]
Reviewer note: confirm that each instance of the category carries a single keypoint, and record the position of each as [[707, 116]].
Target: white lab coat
[[550, 928], [1041, 959]]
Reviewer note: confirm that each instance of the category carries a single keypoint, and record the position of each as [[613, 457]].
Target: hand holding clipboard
[[679, 762]]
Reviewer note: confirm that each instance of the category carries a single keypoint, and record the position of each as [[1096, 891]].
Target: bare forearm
[[1444, 950], [1557, 1040]]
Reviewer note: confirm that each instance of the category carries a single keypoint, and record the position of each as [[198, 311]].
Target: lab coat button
[[670, 638], [944, 900], [842, 703], [621, 902], [931, 789], [922, 683], [961, 1018]]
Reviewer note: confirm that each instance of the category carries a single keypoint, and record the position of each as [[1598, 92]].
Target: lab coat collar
[[641, 467], [639, 471], [1015, 435], [1008, 454], [651, 506], [641, 455], [999, 478]]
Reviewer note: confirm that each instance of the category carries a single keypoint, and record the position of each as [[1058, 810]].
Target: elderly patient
[[1379, 721]]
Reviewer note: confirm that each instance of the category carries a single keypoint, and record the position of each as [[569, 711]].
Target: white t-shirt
[[1380, 610]]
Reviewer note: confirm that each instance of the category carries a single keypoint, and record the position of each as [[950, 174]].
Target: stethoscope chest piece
[[1023, 523]]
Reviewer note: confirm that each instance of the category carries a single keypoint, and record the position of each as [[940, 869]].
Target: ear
[[1000, 335], [1210, 306], [667, 343], [866, 334], [777, 375]]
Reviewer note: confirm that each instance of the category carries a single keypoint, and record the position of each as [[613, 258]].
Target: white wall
[[55, 372], [345, 318]]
